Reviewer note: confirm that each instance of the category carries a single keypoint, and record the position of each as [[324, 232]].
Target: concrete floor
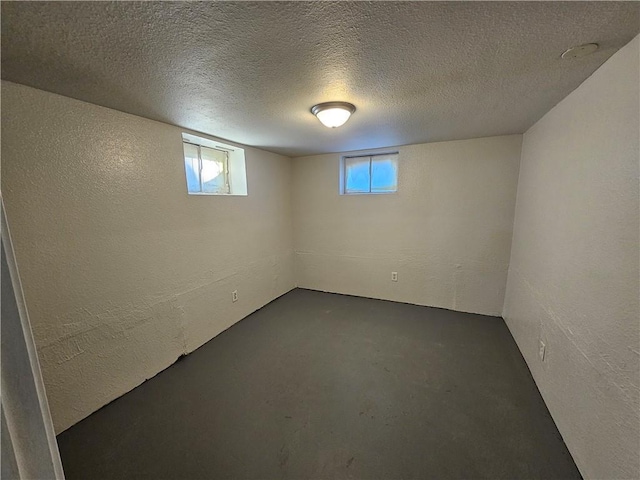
[[318, 385]]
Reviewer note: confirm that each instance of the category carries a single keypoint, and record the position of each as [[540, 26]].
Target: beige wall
[[573, 280], [447, 231], [122, 270]]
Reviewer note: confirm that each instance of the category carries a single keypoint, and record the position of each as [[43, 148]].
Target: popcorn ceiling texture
[[574, 279], [122, 271], [447, 231], [250, 71]]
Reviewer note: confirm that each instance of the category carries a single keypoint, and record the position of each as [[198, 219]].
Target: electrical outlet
[[394, 276], [542, 351], [234, 296]]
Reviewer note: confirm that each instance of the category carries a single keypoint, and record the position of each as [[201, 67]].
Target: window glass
[[384, 174], [357, 179], [213, 173], [192, 167], [370, 174], [213, 168]]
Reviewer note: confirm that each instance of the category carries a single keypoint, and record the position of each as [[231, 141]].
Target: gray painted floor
[[318, 385]]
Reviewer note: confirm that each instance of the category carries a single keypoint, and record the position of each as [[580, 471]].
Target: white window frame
[[225, 167], [343, 172], [235, 169]]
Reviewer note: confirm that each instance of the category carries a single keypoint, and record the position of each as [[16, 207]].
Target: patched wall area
[[446, 231], [574, 280], [122, 271]]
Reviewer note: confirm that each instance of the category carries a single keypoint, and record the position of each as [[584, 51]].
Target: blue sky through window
[[371, 174], [191, 167], [357, 173], [384, 175]]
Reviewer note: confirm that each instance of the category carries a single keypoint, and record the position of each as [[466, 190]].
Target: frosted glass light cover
[[333, 117], [333, 114]]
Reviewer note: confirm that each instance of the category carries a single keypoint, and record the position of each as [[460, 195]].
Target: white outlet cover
[[394, 276]]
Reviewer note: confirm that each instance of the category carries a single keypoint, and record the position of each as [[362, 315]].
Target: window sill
[[197, 194], [367, 193]]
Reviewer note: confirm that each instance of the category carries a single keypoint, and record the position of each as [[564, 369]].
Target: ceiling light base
[[333, 114]]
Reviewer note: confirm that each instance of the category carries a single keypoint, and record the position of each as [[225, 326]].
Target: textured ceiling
[[250, 71]]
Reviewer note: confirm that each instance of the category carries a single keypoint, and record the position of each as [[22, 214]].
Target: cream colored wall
[[574, 277], [447, 231], [122, 270]]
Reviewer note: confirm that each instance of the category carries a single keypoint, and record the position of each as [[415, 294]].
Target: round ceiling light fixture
[[580, 51], [333, 114]]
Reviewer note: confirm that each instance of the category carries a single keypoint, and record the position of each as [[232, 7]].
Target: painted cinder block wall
[[447, 231], [123, 272], [574, 272]]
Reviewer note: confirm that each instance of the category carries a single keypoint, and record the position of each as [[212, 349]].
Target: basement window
[[369, 174], [213, 168]]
